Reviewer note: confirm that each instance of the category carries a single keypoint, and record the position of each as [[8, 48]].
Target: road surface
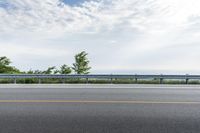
[[99, 109]]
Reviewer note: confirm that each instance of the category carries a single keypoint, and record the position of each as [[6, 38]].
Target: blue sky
[[121, 36], [74, 2]]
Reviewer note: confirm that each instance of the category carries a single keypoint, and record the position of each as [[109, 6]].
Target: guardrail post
[[39, 81], [187, 79], [87, 80], [15, 81], [161, 79], [63, 81], [111, 79], [136, 79]]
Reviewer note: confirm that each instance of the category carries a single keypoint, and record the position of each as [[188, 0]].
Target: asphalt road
[[99, 109]]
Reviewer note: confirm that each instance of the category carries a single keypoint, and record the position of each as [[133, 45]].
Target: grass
[[96, 81]]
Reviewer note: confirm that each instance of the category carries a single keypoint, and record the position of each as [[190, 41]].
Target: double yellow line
[[99, 102]]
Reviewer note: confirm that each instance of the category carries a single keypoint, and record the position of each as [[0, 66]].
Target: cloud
[[120, 35], [54, 15]]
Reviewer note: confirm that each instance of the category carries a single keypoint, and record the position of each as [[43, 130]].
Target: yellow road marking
[[88, 101]]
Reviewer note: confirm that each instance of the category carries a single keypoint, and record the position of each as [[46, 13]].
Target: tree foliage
[[4, 61], [34, 72], [65, 69], [81, 65], [49, 70], [5, 66]]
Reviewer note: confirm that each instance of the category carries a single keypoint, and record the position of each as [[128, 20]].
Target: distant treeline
[[80, 66]]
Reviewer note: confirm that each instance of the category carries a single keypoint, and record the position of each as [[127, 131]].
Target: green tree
[[49, 70], [34, 72], [4, 61], [81, 65], [5, 66], [64, 69]]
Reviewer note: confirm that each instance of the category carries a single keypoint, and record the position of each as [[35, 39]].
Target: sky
[[121, 36], [74, 2]]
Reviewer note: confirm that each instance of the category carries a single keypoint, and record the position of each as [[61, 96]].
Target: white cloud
[[120, 35]]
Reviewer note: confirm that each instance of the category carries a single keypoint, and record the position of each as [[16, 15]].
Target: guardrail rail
[[110, 77]]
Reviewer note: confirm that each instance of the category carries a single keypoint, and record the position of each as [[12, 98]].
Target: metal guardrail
[[97, 76]]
